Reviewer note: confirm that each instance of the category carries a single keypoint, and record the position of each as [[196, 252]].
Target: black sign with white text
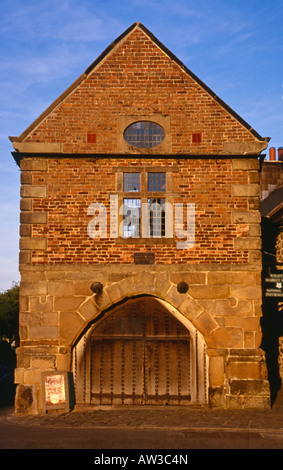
[[273, 284]]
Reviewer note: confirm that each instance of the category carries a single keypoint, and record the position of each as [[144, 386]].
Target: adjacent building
[[271, 208]]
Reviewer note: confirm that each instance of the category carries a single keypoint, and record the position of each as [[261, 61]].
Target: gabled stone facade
[[204, 269]]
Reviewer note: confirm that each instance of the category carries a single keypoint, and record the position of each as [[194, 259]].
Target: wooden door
[[167, 372], [140, 354]]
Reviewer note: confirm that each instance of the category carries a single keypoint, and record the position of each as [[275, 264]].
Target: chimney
[[280, 154], [272, 154]]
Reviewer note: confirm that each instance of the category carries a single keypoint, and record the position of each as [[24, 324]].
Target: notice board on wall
[[55, 391], [273, 284]]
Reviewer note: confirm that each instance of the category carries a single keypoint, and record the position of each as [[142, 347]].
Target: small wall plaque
[[55, 391], [273, 284], [144, 258]]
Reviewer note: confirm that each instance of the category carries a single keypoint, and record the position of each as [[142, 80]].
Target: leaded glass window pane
[[156, 181], [132, 215], [131, 182], [156, 217]]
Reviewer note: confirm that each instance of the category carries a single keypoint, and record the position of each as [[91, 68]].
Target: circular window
[[144, 134]]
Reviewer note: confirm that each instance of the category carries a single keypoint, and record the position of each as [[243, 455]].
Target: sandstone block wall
[[224, 306]]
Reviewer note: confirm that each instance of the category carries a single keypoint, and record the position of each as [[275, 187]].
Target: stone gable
[[140, 79]]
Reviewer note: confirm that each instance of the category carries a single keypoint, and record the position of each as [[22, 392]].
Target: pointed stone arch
[[185, 372], [145, 284]]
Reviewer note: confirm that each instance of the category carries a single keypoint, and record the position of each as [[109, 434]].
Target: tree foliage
[[9, 314]]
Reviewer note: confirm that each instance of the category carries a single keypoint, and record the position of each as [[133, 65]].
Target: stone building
[[140, 241]]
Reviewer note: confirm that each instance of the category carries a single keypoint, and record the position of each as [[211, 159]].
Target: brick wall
[[56, 196]]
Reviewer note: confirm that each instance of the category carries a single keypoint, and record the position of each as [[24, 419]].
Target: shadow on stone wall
[[7, 369], [272, 318], [272, 329]]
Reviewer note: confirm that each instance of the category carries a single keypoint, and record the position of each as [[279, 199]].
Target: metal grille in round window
[[144, 134]]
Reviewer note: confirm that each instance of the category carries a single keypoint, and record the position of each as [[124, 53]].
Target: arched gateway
[[140, 353]]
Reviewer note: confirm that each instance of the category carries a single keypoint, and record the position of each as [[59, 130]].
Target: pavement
[[148, 427], [157, 417]]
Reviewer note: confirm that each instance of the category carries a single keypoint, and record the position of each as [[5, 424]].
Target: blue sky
[[235, 47]]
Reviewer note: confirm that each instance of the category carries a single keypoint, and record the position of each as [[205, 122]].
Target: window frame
[[144, 195], [163, 120], [146, 135]]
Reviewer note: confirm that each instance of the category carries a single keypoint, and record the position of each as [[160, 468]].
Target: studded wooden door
[[140, 355]]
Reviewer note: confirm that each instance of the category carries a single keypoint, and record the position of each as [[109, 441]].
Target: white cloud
[[67, 21]]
